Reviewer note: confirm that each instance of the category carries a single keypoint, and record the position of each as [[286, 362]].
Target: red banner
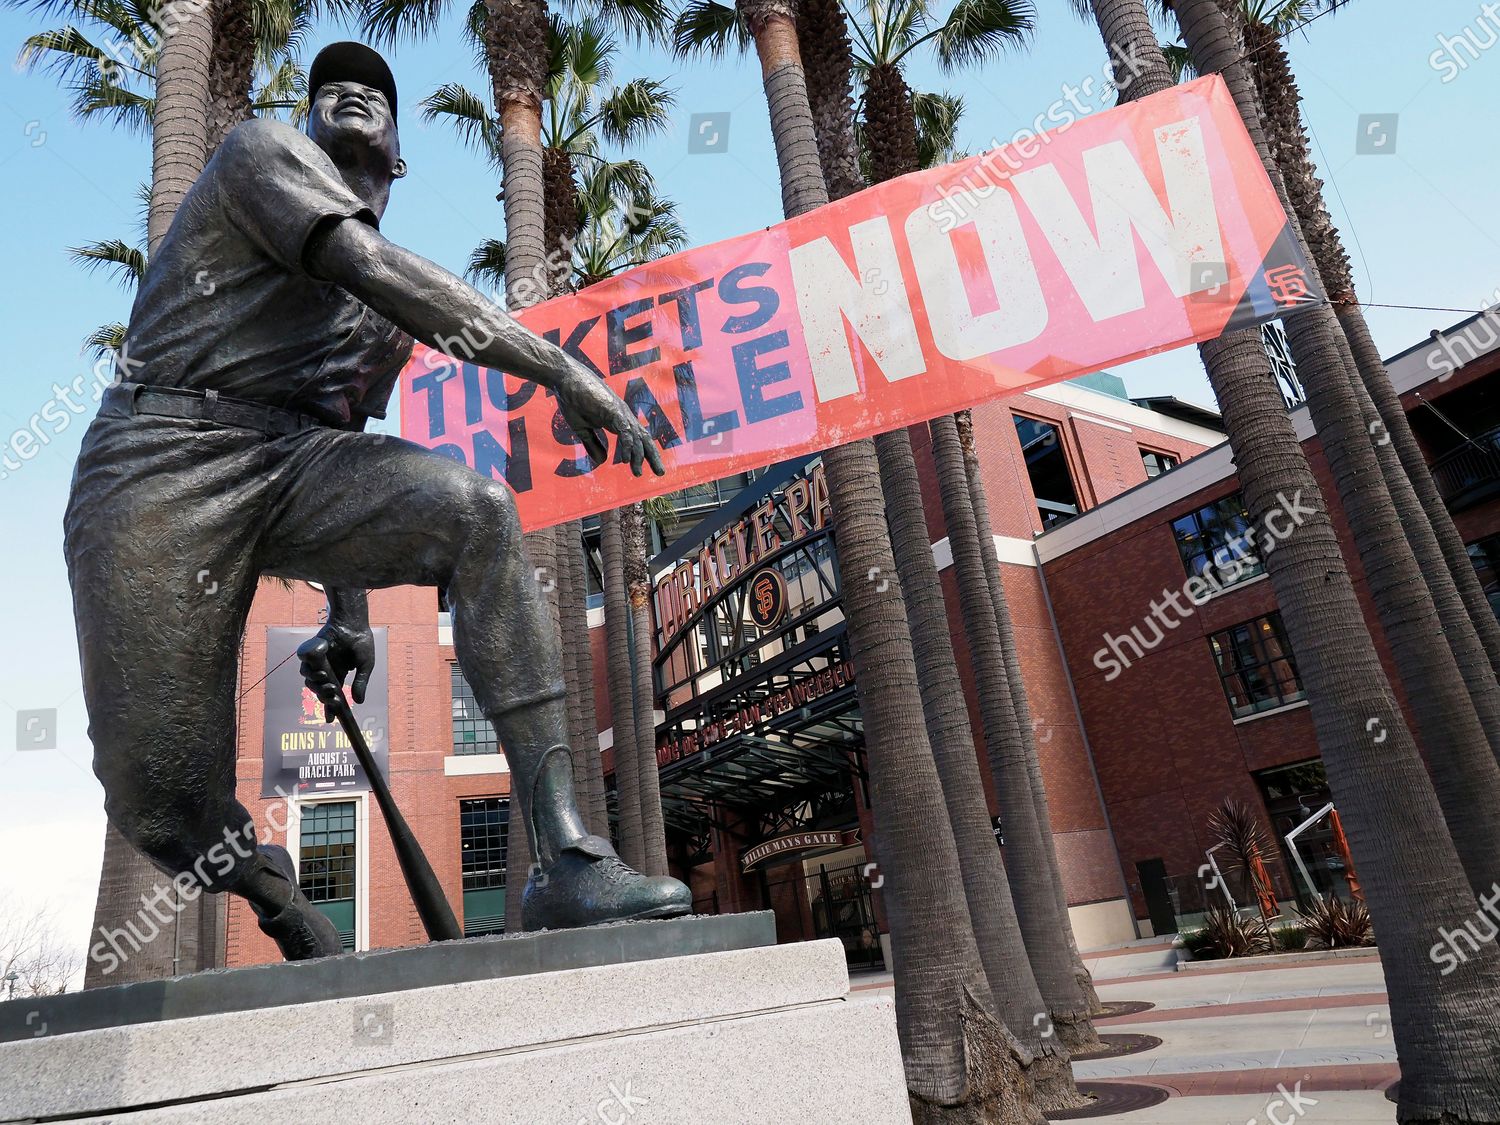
[[1129, 232]]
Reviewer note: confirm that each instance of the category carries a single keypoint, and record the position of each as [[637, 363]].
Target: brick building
[[1099, 505]]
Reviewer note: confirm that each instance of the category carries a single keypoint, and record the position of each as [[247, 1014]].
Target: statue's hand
[[590, 406], [331, 655]]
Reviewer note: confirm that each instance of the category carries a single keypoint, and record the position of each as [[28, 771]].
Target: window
[[1485, 555], [1256, 666], [1215, 542], [472, 733], [484, 832], [1157, 463], [326, 864], [1047, 466]]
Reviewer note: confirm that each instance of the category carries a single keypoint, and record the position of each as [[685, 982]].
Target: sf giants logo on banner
[[1143, 228]]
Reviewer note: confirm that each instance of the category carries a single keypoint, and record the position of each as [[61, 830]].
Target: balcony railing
[[1471, 473]]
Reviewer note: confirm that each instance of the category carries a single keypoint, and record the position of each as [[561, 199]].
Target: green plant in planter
[[1226, 934], [1332, 923], [1290, 938]]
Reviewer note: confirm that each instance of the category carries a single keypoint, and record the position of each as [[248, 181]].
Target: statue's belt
[[206, 406]]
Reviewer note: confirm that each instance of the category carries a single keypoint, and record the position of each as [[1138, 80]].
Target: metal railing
[[1470, 473]]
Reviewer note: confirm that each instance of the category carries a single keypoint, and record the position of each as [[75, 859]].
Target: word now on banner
[[1142, 228]]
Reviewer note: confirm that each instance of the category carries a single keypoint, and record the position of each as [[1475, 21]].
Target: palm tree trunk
[[515, 35], [1032, 885], [578, 672], [987, 889], [1393, 417], [621, 693], [1005, 627], [1466, 614], [1445, 1027], [231, 71], [891, 138], [179, 133], [822, 34], [643, 689], [1464, 768], [960, 1062]]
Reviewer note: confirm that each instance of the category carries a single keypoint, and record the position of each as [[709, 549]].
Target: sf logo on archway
[[767, 598]]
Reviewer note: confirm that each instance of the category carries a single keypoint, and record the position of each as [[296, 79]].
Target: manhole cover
[[1111, 1098], [1125, 1008], [1117, 1044]]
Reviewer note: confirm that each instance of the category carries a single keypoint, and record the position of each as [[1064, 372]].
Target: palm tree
[[579, 112], [956, 1053], [1445, 1028], [1463, 764], [885, 36], [1004, 625], [189, 67], [1467, 619], [643, 690]]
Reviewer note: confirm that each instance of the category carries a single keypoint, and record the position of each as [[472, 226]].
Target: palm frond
[[468, 114], [124, 108], [636, 111], [976, 31], [706, 27], [1179, 61], [641, 21], [388, 22], [105, 341], [487, 263], [937, 127], [126, 262]]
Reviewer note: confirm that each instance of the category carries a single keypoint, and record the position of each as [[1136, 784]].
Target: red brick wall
[[420, 738], [1165, 745]]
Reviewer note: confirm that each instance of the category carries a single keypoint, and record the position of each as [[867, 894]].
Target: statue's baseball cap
[[353, 62]]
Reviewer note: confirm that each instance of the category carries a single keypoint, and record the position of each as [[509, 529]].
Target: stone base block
[[747, 1035]]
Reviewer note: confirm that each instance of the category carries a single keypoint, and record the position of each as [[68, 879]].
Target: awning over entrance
[[762, 732]]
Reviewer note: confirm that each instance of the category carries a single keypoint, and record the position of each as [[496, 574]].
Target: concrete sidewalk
[[1264, 1044], [1244, 1046]]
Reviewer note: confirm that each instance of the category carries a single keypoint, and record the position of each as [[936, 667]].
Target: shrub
[[1332, 923], [1226, 934], [1289, 939]]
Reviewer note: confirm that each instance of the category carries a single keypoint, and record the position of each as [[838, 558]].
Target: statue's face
[[352, 122]]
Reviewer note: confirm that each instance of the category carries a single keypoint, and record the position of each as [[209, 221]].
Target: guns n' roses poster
[[302, 753]]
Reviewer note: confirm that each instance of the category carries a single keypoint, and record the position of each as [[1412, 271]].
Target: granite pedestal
[[690, 1020]]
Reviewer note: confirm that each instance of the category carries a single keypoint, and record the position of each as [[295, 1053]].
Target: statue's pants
[[169, 525]]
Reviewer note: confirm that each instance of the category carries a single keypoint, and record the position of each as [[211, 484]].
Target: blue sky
[[1417, 217]]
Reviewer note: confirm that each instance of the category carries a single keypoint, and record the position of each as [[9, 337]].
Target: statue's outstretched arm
[[444, 312]]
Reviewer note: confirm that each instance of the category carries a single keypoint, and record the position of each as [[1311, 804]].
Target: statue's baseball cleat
[[589, 884]]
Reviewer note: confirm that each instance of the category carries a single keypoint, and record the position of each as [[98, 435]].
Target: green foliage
[[706, 27], [884, 32], [1333, 923], [1289, 938], [1226, 934], [105, 56]]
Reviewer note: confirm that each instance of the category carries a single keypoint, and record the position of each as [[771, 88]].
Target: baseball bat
[[432, 905]]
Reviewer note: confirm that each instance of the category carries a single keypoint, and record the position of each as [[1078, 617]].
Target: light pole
[[10, 978]]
